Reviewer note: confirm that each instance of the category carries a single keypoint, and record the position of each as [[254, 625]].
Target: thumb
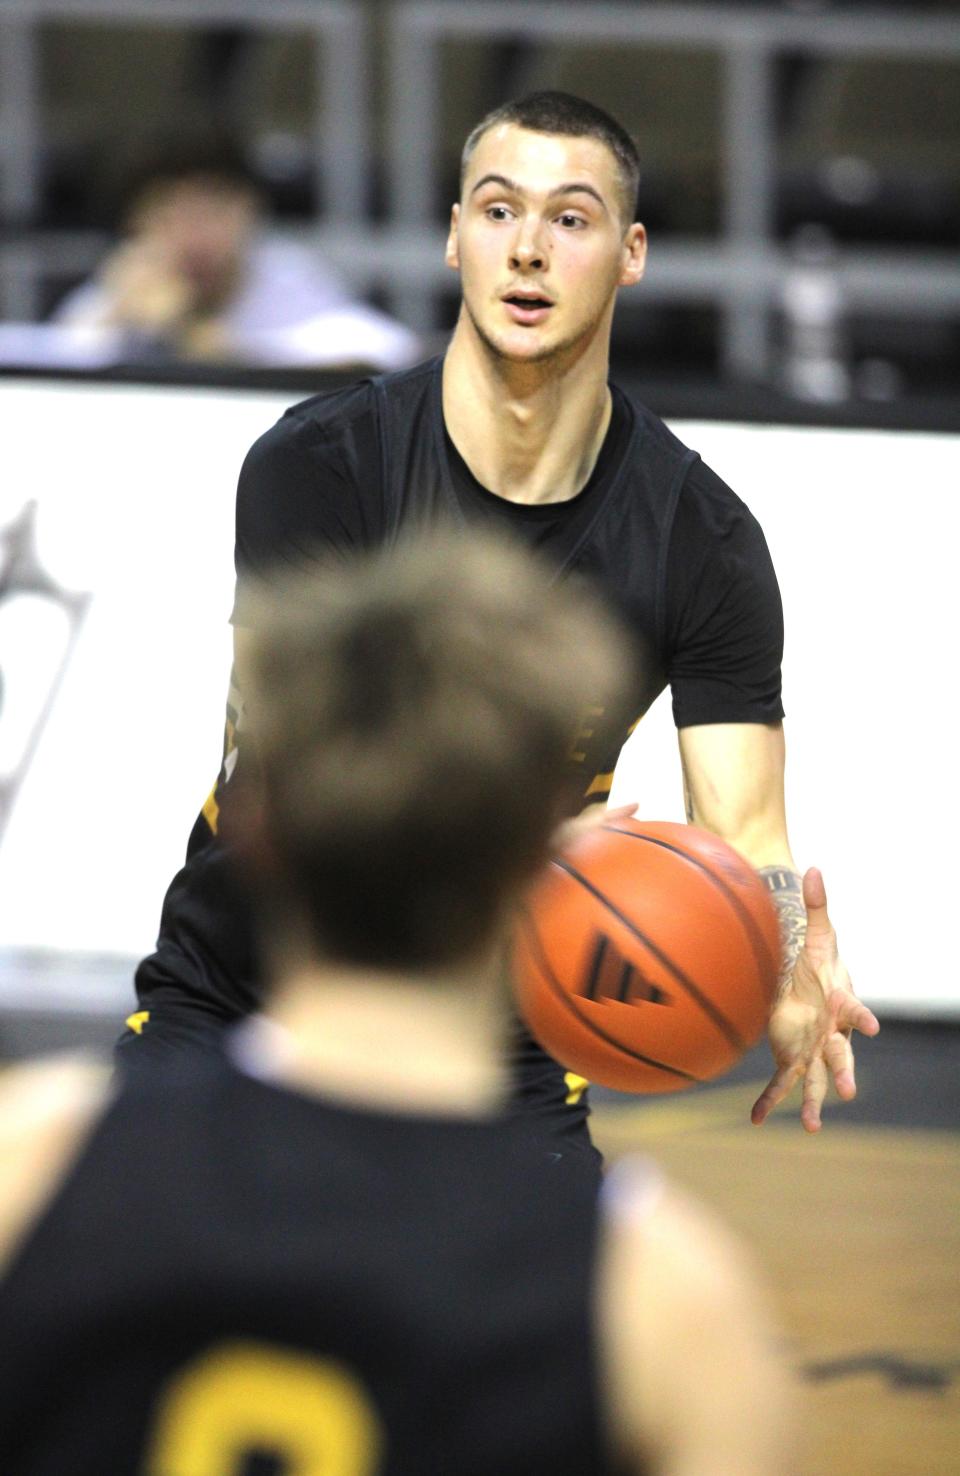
[[815, 901]]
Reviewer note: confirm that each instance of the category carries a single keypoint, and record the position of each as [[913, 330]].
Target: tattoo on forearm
[[786, 889]]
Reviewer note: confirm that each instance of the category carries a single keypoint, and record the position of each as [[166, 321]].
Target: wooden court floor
[[857, 1234]]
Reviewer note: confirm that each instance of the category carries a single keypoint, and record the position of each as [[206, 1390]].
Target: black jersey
[[675, 551], [238, 1277]]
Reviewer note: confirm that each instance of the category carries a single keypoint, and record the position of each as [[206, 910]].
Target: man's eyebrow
[[574, 187], [500, 179]]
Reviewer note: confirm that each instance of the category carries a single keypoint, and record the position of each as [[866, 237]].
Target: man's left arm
[[733, 785]]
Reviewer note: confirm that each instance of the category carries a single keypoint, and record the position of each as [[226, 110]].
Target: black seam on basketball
[[761, 953], [557, 988], [725, 1026]]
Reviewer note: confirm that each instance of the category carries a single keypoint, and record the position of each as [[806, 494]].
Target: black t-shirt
[[711, 624], [320, 1271], [679, 556]]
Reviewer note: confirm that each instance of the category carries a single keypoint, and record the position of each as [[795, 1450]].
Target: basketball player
[[516, 425], [330, 1249]]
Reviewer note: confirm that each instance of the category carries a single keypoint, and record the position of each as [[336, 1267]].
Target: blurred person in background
[[199, 276], [332, 1248]]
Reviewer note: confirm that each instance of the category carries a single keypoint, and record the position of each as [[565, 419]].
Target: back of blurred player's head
[[414, 712]]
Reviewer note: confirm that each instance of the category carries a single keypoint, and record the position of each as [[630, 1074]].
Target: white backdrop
[[135, 493]]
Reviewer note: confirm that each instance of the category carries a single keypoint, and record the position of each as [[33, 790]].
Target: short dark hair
[[573, 117], [170, 156], [414, 713]]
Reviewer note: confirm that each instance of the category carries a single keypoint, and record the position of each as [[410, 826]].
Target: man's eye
[[570, 222], [498, 212]]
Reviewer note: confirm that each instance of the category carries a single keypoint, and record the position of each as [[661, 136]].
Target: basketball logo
[[611, 976]]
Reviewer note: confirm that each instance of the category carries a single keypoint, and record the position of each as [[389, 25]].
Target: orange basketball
[[647, 956]]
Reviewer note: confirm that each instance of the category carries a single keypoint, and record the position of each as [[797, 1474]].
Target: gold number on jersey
[[245, 1397]]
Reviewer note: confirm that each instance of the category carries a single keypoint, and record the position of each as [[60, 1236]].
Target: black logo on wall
[[39, 625]]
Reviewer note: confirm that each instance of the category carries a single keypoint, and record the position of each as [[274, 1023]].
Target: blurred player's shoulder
[[678, 1293], [47, 1107]]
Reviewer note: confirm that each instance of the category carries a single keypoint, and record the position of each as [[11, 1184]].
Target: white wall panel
[[135, 492]]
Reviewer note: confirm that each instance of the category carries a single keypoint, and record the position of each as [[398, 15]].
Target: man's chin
[[523, 347], [519, 346]]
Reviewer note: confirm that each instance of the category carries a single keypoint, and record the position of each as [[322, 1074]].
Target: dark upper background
[[801, 176]]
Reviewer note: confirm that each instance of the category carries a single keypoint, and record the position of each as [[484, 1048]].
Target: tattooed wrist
[[786, 889]]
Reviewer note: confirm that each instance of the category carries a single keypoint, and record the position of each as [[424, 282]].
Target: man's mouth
[[527, 308]]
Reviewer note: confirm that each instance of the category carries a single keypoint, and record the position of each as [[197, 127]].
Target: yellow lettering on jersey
[[576, 1086], [137, 1021], [245, 1398], [600, 785], [211, 810], [603, 783], [585, 731]]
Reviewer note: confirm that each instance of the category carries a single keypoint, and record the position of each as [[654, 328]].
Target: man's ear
[[634, 255]]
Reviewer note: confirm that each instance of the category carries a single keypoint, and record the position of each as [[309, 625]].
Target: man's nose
[[527, 252]]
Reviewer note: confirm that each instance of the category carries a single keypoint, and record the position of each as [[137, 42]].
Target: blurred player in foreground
[[330, 1249]]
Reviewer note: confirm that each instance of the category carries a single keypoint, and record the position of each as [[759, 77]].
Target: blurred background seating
[[801, 180]]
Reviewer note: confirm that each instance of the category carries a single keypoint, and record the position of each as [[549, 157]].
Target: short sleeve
[[724, 616], [303, 491]]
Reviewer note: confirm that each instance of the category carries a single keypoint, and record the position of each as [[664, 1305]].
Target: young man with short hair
[[516, 426]]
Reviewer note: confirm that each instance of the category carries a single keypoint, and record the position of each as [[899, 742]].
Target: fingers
[[814, 890], [849, 1013], [620, 812], [815, 901], [833, 1060], [779, 1086], [814, 1092], [816, 1078], [838, 1055]]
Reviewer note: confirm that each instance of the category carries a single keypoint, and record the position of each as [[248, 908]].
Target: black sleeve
[[310, 485], [724, 617], [298, 493]]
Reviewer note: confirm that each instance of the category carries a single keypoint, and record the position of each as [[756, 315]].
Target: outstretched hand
[[570, 830], [811, 1023]]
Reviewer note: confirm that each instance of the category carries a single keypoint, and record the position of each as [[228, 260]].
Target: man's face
[[201, 228], [540, 243]]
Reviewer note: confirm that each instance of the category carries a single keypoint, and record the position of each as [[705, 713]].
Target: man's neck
[[528, 432], [392, 1041]]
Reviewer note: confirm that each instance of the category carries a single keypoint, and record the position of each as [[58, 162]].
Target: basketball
[[647, 956]]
